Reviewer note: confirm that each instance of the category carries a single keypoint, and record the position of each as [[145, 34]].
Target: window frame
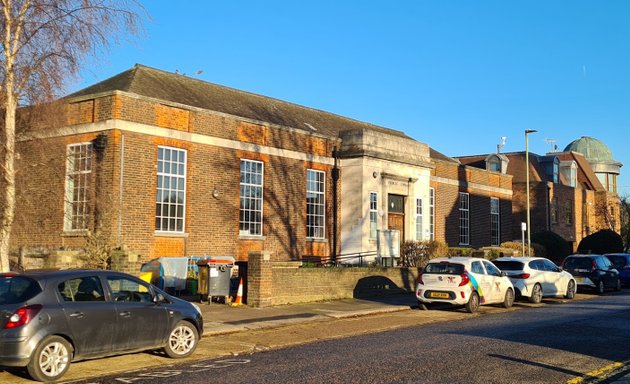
[[163, 189], [419, 218], [495, 221], [373, 213], [252, 197], [494, 164], [77, 198], [568, 213], [573, 175], [431, 213], [464, 218], [556, 170], [315, 230]]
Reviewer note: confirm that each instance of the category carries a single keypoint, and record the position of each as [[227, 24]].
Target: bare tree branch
[[44, 43]]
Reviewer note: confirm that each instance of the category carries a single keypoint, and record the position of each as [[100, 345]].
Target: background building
[[566, 194]]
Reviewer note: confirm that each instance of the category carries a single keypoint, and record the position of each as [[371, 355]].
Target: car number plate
[[440, 295], [579, 279]]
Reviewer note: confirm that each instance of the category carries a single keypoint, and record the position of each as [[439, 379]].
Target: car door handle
[[78, 315], [125, 314]]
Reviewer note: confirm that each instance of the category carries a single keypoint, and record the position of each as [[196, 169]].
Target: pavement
[[224, 319]]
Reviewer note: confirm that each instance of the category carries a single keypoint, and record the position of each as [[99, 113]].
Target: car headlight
[[196, 307]]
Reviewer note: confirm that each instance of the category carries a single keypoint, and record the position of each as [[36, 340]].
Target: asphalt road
[[552, 343]]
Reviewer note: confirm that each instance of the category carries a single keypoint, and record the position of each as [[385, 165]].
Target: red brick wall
[[211, 225], [447, 203]]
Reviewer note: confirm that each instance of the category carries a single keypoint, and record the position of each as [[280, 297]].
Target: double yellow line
[[601, 374]]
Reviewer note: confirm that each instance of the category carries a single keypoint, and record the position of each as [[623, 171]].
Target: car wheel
[[182, 340], [618, 285], [537, 294], [508, 301], [570, 290], [600, 287], [50, 360], [473, 303]]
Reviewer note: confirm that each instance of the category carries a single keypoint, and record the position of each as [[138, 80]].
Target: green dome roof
[[595, 151]]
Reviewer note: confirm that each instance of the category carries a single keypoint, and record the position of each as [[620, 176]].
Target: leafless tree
[[44, 43], [624, 204]]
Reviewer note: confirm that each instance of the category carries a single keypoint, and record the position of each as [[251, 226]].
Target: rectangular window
[[251, 205], [568, 212], [78, 176], [419, 235], [464, 219], [431, 214], [373, 214], [315, 204], [495, 228], [171, 190], [554, 210]]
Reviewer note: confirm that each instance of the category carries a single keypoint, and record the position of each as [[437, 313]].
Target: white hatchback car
[[464, 281], [537, 277]]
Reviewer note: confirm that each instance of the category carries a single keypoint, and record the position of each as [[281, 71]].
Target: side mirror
[[158, 298], [503, 273]]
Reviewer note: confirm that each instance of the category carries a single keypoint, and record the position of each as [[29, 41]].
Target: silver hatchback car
[[50, 318]]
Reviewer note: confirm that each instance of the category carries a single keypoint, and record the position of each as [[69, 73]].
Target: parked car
[[592, 271], [537, 277], [463, 281], [621, 262], [50, 318]]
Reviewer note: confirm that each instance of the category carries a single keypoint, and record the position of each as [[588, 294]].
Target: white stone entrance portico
[[384, 185]]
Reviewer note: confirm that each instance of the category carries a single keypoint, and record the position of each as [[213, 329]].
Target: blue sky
[[457, 75]]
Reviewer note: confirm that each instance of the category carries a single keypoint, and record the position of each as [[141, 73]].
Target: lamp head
[[528, 131]]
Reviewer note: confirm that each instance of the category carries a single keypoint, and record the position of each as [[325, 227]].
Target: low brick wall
[[291, 285]]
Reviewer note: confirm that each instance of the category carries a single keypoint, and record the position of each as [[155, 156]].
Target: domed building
[[600, 158]]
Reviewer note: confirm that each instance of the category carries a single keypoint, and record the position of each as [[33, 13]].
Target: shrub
[[554, 246], [496, 252], [538, 250], [460, 251], [515, 248], [600, 242], [418, 253]]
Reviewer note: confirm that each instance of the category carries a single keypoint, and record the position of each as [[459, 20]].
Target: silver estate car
[[50, 318]]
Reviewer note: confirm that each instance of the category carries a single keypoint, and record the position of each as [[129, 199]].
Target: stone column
[[259, 279]]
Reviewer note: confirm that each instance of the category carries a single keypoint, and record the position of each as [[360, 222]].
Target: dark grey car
[[50, 318]]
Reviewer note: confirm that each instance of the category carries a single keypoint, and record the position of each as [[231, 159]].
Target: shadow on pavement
[[383, 290]]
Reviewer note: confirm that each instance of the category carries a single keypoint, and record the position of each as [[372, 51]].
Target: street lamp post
[[529, 228]]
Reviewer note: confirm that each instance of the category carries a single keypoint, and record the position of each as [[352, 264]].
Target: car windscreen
[[578, 263], [617, 261], [17, 289], [505, 265], [444, 268]]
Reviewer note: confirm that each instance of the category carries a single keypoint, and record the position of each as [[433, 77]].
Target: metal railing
[[359, 259]]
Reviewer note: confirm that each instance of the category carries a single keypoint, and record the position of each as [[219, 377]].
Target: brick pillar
[[259, 279]]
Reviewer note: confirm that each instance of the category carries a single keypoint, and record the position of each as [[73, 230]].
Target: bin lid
[[214, 260]]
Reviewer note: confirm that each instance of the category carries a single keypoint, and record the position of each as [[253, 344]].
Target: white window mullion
[[170, 213], [373, 214], [251, 200], [419, 235], [464, 218], [78, 174], [315, 204], [495, 222]]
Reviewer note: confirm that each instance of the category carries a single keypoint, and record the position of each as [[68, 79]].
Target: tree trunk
[[8, 211]]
